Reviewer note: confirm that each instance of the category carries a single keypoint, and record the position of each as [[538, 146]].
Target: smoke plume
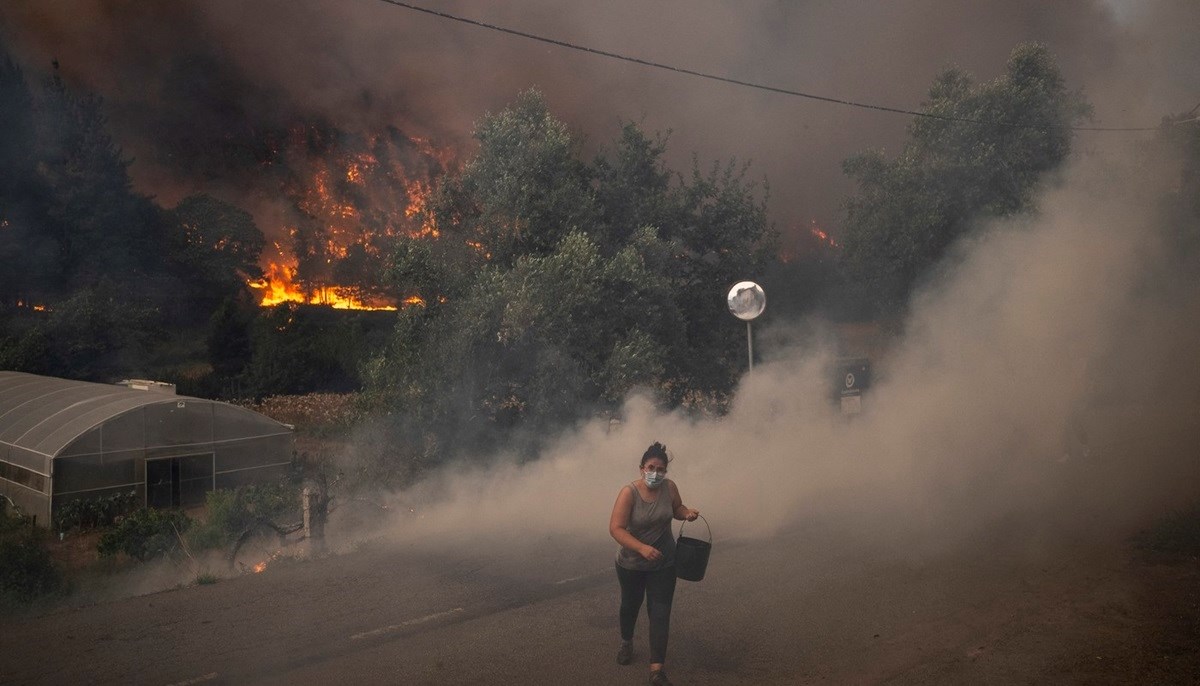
[[1045, 383], [1071, 323], [188, 80]]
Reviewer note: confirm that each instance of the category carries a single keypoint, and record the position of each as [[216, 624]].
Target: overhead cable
[[746, 84]]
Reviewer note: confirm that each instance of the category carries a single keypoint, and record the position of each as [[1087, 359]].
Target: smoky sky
[[184, 78]]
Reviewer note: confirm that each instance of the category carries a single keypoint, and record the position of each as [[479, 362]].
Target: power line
[[738, 82]]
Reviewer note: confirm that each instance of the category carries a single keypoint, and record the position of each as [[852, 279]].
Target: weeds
[[207, 579], [26, 570]]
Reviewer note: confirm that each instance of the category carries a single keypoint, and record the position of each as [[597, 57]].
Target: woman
[[641, 523]]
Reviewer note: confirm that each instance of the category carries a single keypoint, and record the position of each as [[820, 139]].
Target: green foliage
[[77, 240], [981, 155], [94, 513], [215, 248], [305, 348], [102, 228], [578, 283], [232, 512], [144, 534], [26, 570], [525, 190], [228, 339]]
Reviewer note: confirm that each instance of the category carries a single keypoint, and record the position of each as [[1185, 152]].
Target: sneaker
[[659, 678], [625, 653]]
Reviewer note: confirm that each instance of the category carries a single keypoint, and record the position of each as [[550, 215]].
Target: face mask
[[654, 479]]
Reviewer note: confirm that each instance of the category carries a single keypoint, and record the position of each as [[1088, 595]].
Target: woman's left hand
[[691, 514]]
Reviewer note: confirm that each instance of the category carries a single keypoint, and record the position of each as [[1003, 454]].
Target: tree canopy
[[981, 153], [555, 285]]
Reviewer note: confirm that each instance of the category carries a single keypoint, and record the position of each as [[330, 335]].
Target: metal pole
[[750, 346]]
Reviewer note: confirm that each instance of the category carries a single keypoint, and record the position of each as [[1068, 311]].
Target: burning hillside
[[340, 199]]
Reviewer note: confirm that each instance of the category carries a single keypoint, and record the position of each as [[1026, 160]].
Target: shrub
[[94, 513], [26, 570], [232, 512], [144, 534]]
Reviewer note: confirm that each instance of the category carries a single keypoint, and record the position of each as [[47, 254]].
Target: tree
[[102, 227], [217, 240], [555, 287], [215, 246], [981, 153], [633, 187], [29, 256], [524, 190]]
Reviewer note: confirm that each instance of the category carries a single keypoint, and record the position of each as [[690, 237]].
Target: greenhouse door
[[178, 481]]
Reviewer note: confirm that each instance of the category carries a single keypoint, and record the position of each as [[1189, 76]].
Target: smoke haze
[[1039, 330], [1032, 325], [200, 76]]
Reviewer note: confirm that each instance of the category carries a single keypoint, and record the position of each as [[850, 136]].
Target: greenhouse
[[66, 440]]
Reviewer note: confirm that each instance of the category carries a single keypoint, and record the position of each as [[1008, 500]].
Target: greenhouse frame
[[64, 440]]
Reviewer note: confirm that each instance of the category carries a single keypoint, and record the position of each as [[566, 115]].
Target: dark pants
[[658, 588]]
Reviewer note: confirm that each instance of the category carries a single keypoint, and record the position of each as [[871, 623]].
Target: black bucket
[[691, 555]]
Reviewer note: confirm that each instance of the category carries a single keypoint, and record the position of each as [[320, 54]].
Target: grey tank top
[[650, 523]]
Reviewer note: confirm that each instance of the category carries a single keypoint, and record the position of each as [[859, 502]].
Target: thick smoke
[[1036, 332], [1045, 386], [188, 78]]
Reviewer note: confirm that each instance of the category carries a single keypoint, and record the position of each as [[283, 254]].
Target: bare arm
[[618, 526], [678, 508]]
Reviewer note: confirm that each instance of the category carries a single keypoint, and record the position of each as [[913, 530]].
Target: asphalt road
[[807, 606]]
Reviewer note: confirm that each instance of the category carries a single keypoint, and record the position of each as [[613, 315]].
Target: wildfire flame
[[797, 243], [279, 286], [823, 237], [353, 194], [260, 567]]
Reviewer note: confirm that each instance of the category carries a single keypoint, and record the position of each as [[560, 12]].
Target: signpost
[[746, 301]]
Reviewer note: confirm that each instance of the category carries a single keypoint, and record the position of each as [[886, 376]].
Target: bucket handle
[[705, 526]]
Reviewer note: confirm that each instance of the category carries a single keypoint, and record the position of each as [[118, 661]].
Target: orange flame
[[355, 194], [260, 567], [279, 286]]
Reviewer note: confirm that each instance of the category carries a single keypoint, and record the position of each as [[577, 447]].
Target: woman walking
[[641, 523]]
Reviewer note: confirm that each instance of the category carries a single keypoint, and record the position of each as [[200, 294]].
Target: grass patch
[[207, 579]]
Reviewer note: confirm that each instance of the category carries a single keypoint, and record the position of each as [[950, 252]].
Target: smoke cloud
[[184, 79], [1036, 332], [1045, 383]]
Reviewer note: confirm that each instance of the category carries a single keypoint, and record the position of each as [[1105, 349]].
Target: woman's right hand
[[651, 553]]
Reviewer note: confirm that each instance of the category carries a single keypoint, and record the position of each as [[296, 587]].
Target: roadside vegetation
[[27, 572]]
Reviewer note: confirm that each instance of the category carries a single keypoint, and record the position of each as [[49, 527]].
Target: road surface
[[806, 606]]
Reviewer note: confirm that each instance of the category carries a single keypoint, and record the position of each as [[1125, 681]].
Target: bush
[[94, 513], [145, 534], [26, 570], [232, 512]]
